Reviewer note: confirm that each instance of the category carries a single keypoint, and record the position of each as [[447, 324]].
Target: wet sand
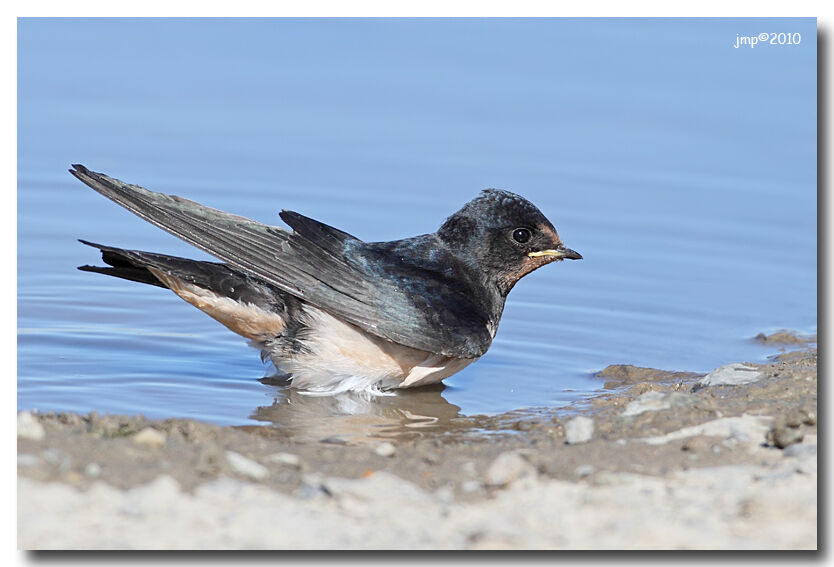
[[655, 460]]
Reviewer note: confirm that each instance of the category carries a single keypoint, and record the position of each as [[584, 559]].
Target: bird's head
[[505, 236]]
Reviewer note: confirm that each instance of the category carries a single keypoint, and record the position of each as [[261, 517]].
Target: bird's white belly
[[341, 357]]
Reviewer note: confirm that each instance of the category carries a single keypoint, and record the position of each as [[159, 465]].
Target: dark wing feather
[[321, 265], [317, 232]]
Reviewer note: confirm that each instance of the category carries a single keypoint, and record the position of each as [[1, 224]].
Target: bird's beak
[[561, 253]]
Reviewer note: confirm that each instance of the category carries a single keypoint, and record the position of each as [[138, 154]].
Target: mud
[[716, 465], [785, 337]]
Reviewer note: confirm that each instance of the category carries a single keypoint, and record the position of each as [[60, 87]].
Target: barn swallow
[[332, 311]]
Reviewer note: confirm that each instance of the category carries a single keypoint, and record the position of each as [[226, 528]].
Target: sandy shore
[[656, 460]]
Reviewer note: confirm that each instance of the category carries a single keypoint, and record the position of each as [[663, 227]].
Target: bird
[[332, 312]]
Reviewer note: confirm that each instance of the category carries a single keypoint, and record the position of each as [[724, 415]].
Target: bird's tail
[[248, 306], [125, 264]]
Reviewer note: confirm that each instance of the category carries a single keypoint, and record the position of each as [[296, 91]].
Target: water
[[683, 170]]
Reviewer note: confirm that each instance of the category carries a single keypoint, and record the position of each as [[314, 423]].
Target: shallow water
[[682, 169]]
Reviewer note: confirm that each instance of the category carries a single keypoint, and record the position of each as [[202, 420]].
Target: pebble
[[786, 337], [150, 437], [729, 375], [742, 429], [288, 459], [583, 471], [28, 427], [385, 450], [656, 401], [783, 436], [579, 430], [650, 401], [92, 470], [507, 468], [470, 486], [246, 466]]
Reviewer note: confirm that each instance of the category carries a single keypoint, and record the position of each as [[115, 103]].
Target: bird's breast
[[338, 356]]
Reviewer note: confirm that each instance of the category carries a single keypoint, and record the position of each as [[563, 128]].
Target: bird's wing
[[321, 265]]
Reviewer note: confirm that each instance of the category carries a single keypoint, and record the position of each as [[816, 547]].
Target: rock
[[70, 419], [526, 425], [385, 450], [657, 401], [743, 429], [799, 416], [623, 374], [783, 435], [729, 375], [585, 470], [785, 337], [28, 427], [650, 401], [246, 466], [150, 437], [470, 486], [288, 459], [108, 426], [579, 430], [92, 470], [507, 468]]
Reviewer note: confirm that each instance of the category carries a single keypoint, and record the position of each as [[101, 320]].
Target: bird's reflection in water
[[354, 417]]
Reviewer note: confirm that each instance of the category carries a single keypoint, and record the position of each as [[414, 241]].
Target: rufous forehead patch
[[551, 233]]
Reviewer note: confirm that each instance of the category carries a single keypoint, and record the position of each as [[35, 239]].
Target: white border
[[8, 210]]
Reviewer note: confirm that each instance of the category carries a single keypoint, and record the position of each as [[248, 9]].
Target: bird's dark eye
[[521, 235]]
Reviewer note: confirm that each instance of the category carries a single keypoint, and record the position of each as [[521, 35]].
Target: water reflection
[[354, 418]]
